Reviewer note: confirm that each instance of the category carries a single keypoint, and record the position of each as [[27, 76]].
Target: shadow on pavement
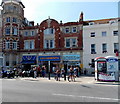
[[108, 83]]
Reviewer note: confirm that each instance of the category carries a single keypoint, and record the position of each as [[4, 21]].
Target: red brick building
[[49, 39]]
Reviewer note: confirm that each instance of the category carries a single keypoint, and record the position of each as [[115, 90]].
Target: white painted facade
[[98, 40], [1, 55]]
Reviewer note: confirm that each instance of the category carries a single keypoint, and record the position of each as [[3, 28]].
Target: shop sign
[[71, 57], [49, 58]]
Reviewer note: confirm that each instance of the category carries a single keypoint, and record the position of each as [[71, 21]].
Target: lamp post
[[49, 70]]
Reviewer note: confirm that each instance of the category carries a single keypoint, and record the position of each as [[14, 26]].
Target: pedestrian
[[58, 74], [43, 71], [35, 72], [71, 74], [38, 71]]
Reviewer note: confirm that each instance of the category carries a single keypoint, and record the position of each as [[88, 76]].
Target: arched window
[[49, 31]]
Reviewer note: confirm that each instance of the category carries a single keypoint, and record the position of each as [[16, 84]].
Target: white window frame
[[14, 31], [71, 42], [14, 45], [7, 45], [47, 43], [67, 30], [104, 33], [7, 30], [29, 44], [104, 47], [74, 29]]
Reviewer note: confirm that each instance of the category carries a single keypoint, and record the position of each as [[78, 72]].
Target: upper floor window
[[29, 44], [92, 34], [49, 43], [32, 33], [74, 29], [49, 31], [104, 48], [116, 47], [14, 19], [104, 33], [8, 19], [71, 42], [14, 31], [115, 33], [14, 45], [93, 51], [7, 30], [7, 44], [26, 33], [67, 30]]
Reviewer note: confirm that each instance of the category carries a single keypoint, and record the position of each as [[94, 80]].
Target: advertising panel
[[71, 57], [49, 58]]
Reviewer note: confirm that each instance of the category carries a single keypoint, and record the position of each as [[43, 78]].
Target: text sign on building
[[71, 57], [49, 58]]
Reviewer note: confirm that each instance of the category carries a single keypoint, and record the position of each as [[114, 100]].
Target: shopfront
[[71, 60], [27, 61], [49, 61]]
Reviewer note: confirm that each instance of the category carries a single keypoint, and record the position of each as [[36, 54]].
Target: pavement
[[79, 80]]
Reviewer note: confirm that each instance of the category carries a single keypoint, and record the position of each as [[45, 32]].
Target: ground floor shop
[[56, 59]]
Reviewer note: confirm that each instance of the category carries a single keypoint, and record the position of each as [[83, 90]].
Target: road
[[15, 90]]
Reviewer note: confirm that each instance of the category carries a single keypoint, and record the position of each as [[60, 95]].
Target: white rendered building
[[1, 54], [100, 39]]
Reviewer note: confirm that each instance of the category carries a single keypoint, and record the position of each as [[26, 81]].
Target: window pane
[[7, 31], [104, 33], [115, 33], [104, 47], [92, 34], [14, 31], [67, 42], [74, 29], [67, 30], [73, 42]]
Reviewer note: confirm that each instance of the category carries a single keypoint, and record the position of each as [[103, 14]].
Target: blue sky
[[69, 11]]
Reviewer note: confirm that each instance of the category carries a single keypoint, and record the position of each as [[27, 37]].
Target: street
[[16, 90]]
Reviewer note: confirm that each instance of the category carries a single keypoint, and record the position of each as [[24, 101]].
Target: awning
[[28, 60]]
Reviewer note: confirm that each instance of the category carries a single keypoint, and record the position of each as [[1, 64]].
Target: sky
[[69, 10]]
